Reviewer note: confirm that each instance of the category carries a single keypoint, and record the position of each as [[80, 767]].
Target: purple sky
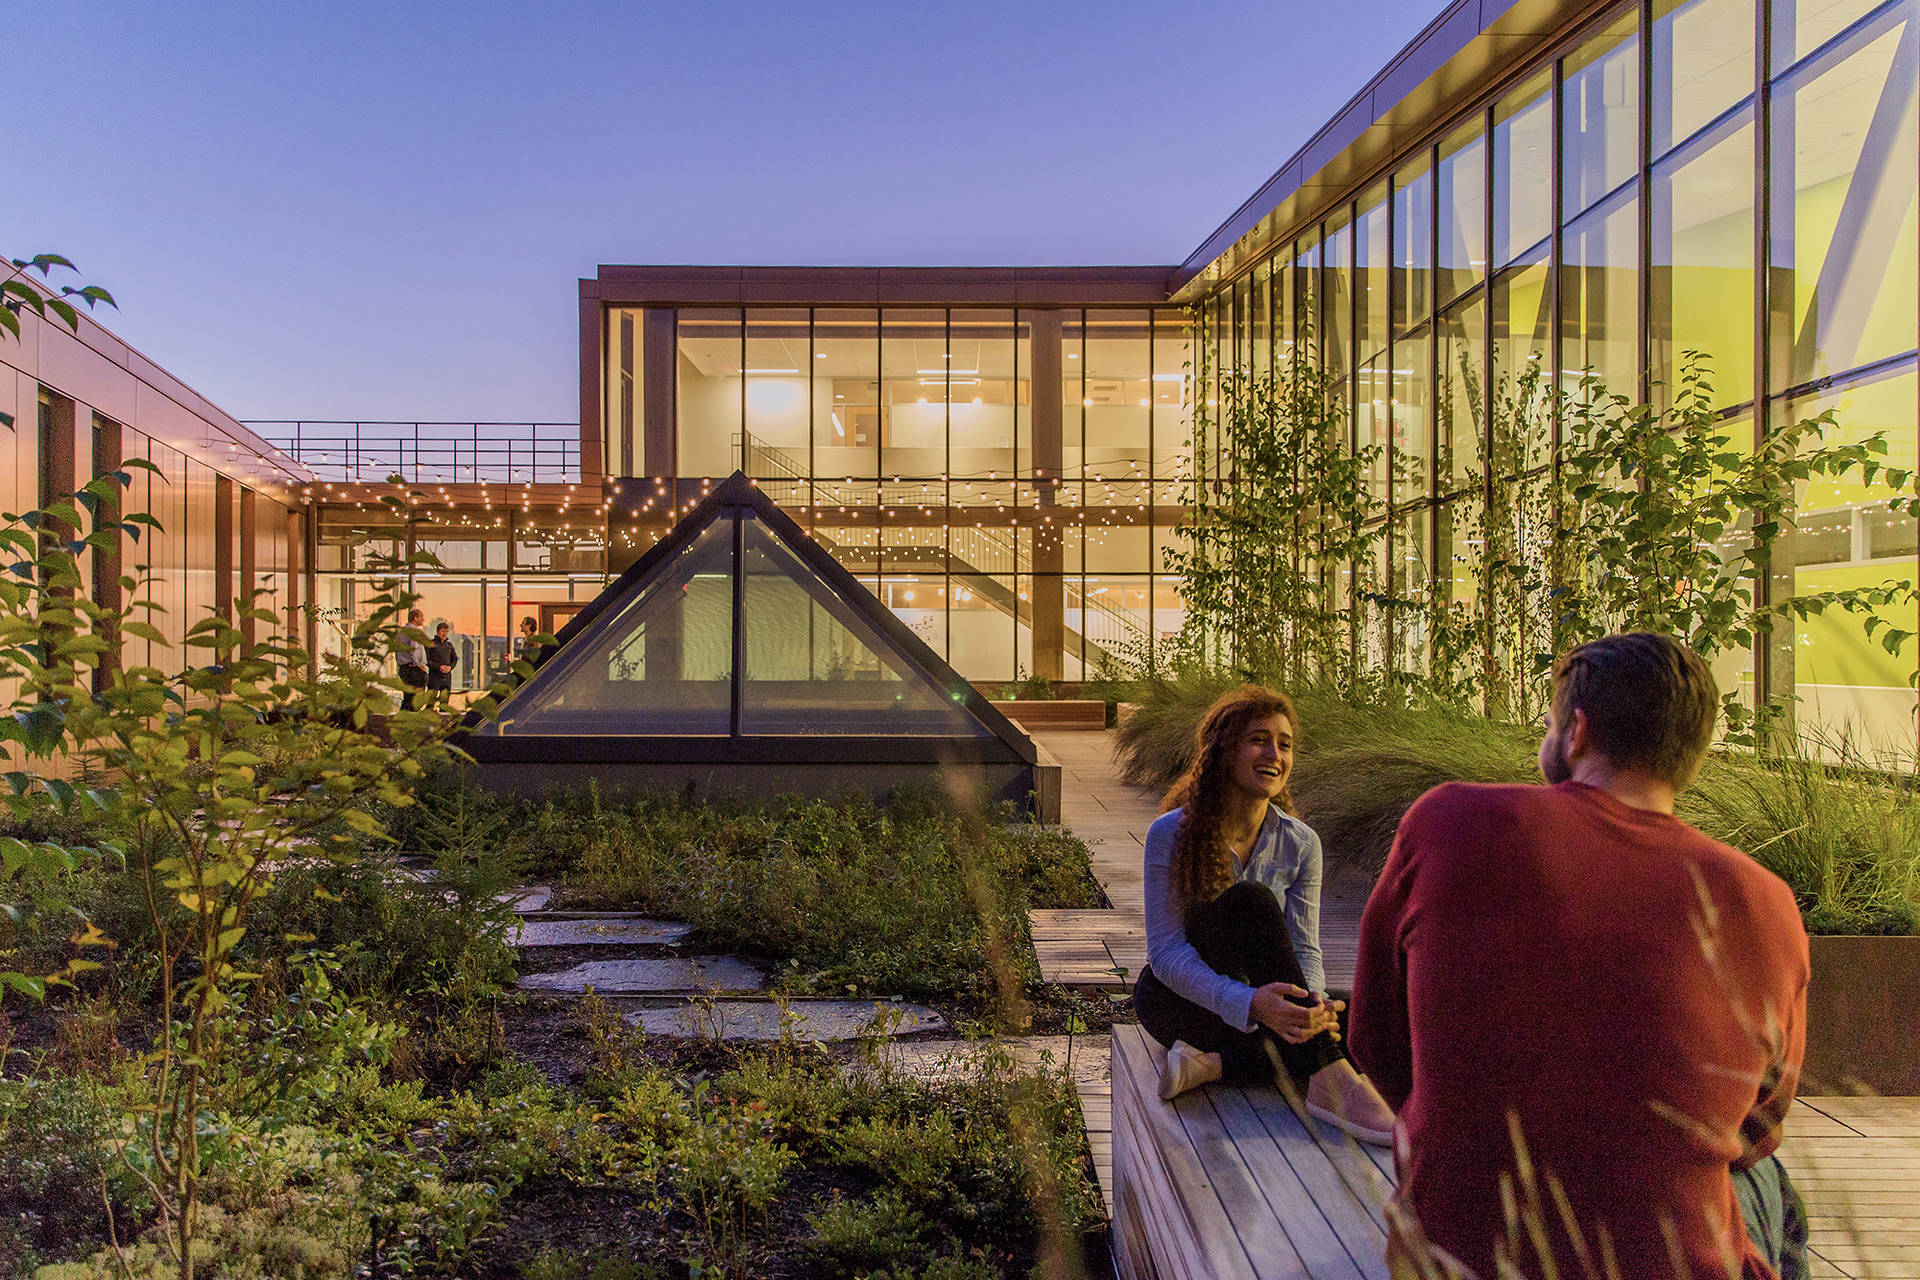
[[379, 211]]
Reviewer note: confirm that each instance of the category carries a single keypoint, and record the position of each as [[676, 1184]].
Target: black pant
[[414, 678], [1243, 935]]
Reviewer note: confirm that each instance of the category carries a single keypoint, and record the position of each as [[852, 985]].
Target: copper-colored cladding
[[1862, 1035], [106, 560]]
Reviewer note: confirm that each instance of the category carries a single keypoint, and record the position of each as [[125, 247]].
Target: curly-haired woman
[[1234, 983]]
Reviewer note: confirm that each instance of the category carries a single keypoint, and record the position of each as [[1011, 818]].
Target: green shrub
[[567, 1264], [56, 1160], [851, 1237], [727, 1169]]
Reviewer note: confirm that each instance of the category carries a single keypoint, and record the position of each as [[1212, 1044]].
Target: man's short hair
[[1650, 702]]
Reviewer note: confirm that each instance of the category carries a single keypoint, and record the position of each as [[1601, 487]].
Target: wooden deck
[[1100, 949], [1857, 1163]]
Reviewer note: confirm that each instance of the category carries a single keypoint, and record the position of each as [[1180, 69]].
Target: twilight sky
[[380, 210]]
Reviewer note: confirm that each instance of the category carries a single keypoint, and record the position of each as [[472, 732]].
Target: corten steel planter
[[1863, 1016]]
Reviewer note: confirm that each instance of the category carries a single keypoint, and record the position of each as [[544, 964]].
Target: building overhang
[[1030, 287], [1464, 54]]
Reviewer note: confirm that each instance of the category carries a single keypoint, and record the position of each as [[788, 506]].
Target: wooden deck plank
[[1355, 1204], [1262, 1237], [1196, 1217], [1313, 1237], [1295, 1212]]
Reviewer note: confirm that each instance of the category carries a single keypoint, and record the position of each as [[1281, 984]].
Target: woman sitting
[[1234, 981]]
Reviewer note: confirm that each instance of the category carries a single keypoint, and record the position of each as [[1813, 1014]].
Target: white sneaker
[[1342, 1097], [1187, 1068]]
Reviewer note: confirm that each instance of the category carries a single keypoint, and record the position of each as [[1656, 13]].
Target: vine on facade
[[1667, 516]]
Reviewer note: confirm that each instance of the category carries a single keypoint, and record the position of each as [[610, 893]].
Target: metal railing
[[430, 452]]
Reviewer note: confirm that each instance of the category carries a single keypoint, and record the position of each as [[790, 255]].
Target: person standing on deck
[[1566, 991]]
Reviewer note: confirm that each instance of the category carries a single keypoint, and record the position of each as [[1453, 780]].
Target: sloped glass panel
[[659, 662], [817, 665]]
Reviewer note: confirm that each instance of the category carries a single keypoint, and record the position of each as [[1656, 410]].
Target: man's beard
[[1554, 765]]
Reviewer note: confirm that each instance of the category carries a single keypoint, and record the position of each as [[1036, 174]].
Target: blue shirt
[[1286, 858]]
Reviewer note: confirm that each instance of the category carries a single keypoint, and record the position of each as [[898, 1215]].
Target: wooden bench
[[1059, 713], [1233, 1183]]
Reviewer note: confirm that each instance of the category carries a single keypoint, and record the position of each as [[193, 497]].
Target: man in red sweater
[[1583, 1010]]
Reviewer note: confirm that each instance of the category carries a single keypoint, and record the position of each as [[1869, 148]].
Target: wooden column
[[297, 596], [659, 385], [1049, 560], [592, 379], [107, 592], [309, 557], [249, 563], [223, 547]]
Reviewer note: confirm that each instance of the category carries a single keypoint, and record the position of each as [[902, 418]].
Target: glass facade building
[[1711, 176]]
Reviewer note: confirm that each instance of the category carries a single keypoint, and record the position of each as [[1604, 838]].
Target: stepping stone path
[[599, 931], [816, 1020], [649, 969], [673, 975]]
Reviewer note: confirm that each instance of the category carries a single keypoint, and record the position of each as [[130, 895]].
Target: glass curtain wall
[[904, 439], [1631, 200]]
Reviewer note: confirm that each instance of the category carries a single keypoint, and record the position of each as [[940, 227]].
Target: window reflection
[[917, 375], [1599, 291], [1702, 268], [780, 379], [1461, 398], [1523, 169], [1843, 236], [1374, 260], [1412, 244], [1461, 191], [1600, 123], [1702, 65], [709, 391], [846, 393]]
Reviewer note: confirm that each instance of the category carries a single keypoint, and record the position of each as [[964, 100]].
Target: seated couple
[[1587, 1017]]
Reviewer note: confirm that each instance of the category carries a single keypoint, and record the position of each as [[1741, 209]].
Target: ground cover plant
[[925, 897], [779, 1162]]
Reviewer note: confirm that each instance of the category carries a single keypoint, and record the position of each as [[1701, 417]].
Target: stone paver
[[696, 975], [528, 898], [816, 1020], [600, 931]]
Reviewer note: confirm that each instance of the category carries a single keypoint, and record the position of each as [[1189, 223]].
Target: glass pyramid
[[732, 628]]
